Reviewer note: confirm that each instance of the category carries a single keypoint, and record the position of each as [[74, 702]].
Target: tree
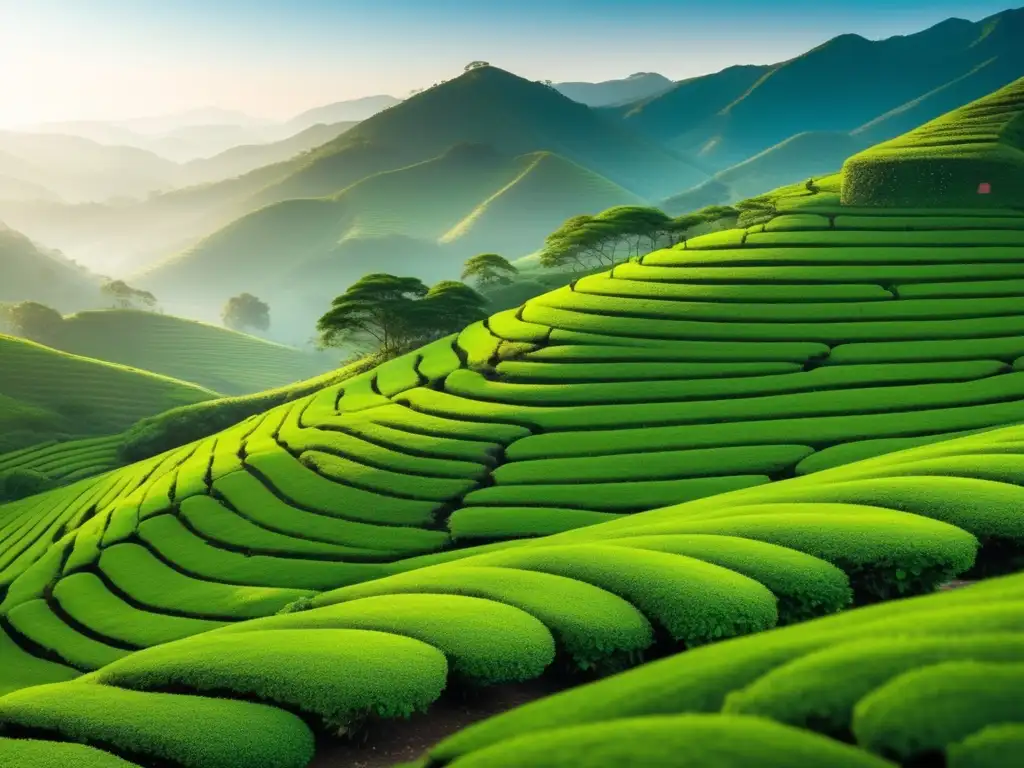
[[19, 483], [377, 313], [124, 296], [476, 65], [35, 321], [811, 186], [489, 269], [450, 306], [246, 311]]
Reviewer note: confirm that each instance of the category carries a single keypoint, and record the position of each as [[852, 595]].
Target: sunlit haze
[[117, 59]]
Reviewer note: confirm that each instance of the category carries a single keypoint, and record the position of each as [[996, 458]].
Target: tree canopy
[[125, 296], [389, 315], [246, 311], [34, 321], [489, 269]]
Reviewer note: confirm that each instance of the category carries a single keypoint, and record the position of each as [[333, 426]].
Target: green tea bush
[[220, 733], [928, 709], [20, 483], [992, 747], [469, 523], [686, 741], [27, 753], [485, 642], [340, 676], [35, 620]]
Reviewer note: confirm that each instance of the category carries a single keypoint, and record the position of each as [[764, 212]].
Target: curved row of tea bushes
[[949, 684]]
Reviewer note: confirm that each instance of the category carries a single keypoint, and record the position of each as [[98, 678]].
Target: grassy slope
[[946, 159], [80, 396], [224, 361], [393, 221], [641, 86], [29, 274]]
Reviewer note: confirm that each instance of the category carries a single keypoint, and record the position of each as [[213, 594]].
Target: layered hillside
[[628, 90], [48, 393], [28, 273], [211, 357], [972, 157], [395, 221]]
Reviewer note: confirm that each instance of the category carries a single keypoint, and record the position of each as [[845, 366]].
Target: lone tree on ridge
[[246, 311], [489, 269]]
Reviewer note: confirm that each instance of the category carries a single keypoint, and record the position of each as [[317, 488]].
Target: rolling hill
[[391, 221], [28, 273], [641, 85], [48, 393], [758, 429], [351, 111], [208, 356]]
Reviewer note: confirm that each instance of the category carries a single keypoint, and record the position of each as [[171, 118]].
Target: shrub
[[19, 483], [26, 753], [220, 733], [996, 746], [340, 676]]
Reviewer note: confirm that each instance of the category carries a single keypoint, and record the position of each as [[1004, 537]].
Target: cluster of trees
[[245, 311], [18, 484], [126, 297], [588, 242], [34, 321], [386, 315], [489, 270]]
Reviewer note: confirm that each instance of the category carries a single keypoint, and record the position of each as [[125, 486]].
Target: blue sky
[[100, 59]]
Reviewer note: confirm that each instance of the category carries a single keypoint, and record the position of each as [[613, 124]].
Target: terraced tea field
[[478, 513], [212, 357]]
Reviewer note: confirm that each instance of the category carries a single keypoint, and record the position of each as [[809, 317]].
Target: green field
[[208, 356], [56, 394], [733, 470]]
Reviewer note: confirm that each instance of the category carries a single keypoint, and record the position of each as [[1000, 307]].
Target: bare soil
[[390, 742]]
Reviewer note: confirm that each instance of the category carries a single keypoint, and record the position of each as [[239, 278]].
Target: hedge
[[1005, 348], [805, 586], [22, 669], [26, 753], [219, 733], [848, 453], [138, 574], [590, 625], [670, 465], [485, 642], [86, 599], [820, 690], [640, 372], [979, 220], [303, 486], [468, 523], [37, 621], [384, 481], [429, 443], [399, 417], [696, 602], [955, 290], [574, 345], [604, 285], [885, 554], [176, 544], [993, 747], [687, 741], [470, 384], [842, 249], [338, 675], [976, 244], [224, 527], [254, 501], [929, 709], [612, 497]]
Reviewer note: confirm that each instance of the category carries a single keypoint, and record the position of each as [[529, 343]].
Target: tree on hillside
[[35, 321], [489, 269], [387, 315], [678, 228], [476, 65], [378, 313], [637, 226], [450, 306], [246, 311], [124, 296]]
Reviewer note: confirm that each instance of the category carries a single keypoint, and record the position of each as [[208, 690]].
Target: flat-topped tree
[[972, 157], [489, 269]]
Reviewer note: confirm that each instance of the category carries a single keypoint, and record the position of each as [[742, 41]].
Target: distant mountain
[[240, 160], [391, 221], [638, 86], [490, 106], [353, 110], [29, 273], [839, 86]]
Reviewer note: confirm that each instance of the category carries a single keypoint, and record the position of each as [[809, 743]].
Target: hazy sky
[[108, 59]]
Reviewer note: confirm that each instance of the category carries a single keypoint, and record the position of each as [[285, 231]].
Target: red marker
[[984, 188]]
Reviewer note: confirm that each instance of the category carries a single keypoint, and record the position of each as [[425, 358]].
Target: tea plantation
[[651, 464]]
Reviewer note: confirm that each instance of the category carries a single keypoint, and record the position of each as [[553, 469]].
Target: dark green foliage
[[246, 311], [25, 753], [489, 269], [124, 296], [993, 747], [220, 733], [19, 483], [35, 321]]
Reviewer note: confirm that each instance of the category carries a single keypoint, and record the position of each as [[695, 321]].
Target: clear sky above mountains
[[113, 59]]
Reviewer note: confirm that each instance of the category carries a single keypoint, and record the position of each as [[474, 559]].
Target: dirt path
[[399, 741]]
